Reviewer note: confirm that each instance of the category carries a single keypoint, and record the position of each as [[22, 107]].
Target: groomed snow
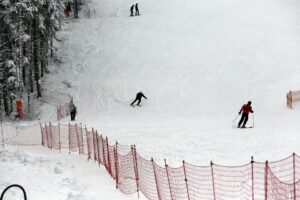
[[197, 62]]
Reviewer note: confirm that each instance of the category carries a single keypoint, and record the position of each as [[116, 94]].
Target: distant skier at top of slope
[[138, 98], [137, 12], [131, 10], [245, 110]]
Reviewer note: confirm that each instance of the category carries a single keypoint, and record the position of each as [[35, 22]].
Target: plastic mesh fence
[[90, 144], [178, 186], [73, 139], [127, 180], [199, 182], [55, 136], [79, 135], [146, 178], [278, 180]]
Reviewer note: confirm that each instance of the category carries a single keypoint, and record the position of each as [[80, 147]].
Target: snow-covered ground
[[49, 175], [197, 62]]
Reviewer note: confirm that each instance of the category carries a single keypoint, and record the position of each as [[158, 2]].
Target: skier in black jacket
[[138, 98], [137, 12], [131, 10], [73, 110]]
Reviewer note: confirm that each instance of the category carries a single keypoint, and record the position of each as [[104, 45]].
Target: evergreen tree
[[27, 27]]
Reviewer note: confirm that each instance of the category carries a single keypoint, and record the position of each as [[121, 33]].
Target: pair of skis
[[136, 105], [245, 127], [248, 126]]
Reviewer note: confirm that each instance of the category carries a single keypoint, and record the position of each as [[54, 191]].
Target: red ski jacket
[[246, 109]]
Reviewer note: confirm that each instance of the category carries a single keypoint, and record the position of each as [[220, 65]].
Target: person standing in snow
[[73, 110], [131, 10], [138, 98], [245, 110], [137, 12]]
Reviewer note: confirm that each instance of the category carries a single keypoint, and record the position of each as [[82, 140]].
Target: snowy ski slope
[[197, 62]]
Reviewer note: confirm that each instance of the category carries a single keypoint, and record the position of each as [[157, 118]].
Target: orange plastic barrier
[[19, 108], [279, 180]]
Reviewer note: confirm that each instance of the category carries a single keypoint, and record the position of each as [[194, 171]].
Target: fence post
[[100, 162], [116, 164], [104, 159], [98, 151], [69, 137], [88, 143], [135, 166], [77, 138], [47, 137], [168, 179], [291, 99], [294, 175], [186, 181], [59, 141], [41, 134], [252, 177], [213, 180], [108, 156], [94, 144], [82, 139], [51, 137], [156, 181], [266, 180]]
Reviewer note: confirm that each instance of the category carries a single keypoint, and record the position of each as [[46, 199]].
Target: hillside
[[197, 63]]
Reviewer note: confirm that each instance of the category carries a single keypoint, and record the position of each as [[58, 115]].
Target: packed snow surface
[[48, 175], [198, 62]]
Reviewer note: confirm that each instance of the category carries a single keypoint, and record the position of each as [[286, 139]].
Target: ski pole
[[235, 118], [253, 119]]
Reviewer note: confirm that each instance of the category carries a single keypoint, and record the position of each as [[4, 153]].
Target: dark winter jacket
[[72, 108], [246, 108], [136, 7], [140, 95]]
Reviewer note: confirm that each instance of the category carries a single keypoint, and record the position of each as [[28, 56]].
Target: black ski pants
[[73, 114], [244, 119], [136, 99]]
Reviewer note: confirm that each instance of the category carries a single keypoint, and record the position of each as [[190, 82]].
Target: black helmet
[[249, 102]]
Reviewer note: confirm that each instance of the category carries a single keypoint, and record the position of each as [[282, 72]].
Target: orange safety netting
[[278, 180]]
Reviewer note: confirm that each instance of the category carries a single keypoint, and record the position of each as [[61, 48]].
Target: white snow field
[[197, 62], [48, 175]]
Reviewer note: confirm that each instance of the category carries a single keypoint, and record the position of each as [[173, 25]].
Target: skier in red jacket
[[246, 108]]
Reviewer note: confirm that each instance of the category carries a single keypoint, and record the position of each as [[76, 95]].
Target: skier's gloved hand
[[239, 112]]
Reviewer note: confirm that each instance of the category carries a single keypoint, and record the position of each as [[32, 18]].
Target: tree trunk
[[11, 104], [75, 9], [5, 93], [4, 56], [36, 58], [21, 58], [30, 56], [42, 57], [24, 67], [31, 79], [51, 46]]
